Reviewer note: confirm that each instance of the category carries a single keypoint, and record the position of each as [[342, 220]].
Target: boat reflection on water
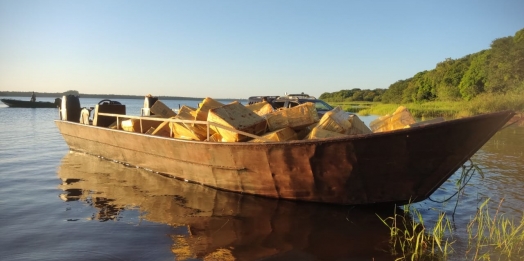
[[224, 225]]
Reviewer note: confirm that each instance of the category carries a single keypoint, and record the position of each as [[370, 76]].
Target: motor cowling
[[70, 108], [107, 106]]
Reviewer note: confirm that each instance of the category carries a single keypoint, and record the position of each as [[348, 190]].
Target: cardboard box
[[215, 138], [180, 131], [335, 120], [204, 107], [188, 131], [260, 108], [357, 126], [302, 133], [296, 117], [150, 131], [277, 120], [238, 117], [163, 129], [284, 134], [302, 115], [319, 133], [160, 109], [398, 120], [133, 125]]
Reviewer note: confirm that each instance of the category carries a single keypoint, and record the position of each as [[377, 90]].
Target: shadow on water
[[222, 225]]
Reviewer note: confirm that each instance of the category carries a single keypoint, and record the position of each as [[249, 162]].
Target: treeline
[[353, 95], [497, 70], [85, 95]]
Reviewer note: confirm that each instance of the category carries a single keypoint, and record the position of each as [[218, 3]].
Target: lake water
[[58, 205]]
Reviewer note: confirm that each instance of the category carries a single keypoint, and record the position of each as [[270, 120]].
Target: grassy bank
[[481, 104]]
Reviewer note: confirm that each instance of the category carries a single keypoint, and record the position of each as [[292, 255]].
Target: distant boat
[[29, 104]]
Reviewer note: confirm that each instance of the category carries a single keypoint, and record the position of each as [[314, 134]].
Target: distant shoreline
[[102, 96]]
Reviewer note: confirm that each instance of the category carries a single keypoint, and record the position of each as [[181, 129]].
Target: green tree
[[395, 91], [475, 77], [500, 69], [358, 96], [518, 56], [369, 95], [448, 87], [497, 70], [419, 89]]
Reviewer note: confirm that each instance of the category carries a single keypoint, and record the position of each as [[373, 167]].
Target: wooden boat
[[29, 104], [399, 166]]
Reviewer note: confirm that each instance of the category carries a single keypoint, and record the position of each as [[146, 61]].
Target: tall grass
[[419, 110], [411, 239], [490, 236], [488, 103], [354, 107], [494, 236], [483, 103]]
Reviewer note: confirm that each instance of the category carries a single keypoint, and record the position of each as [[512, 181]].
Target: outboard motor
[[58, 103], [70, 108], [148, 103], [107, 106]]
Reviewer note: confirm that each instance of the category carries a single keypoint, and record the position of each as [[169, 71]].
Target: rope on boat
[[462, 177]]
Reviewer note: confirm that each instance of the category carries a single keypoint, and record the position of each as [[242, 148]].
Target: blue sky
[[236, 49]]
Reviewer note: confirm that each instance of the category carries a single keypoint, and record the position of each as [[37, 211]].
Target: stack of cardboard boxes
[[259, 122]]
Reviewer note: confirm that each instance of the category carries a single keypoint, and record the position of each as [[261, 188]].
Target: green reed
[[483, 103], [354, 107], [490, 236], [494, 236], [412, 240], [419, 110]]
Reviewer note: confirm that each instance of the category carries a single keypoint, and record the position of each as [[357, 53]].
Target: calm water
[[57, 205]]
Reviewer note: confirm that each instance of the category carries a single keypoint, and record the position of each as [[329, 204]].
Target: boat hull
[[400, 166], [28, 104]]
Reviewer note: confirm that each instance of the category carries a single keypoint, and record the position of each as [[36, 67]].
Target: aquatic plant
[[354, 107], [490, 237], [496, 236], [411, 239]]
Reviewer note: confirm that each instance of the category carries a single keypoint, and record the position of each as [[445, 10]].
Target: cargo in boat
[[238, 117]]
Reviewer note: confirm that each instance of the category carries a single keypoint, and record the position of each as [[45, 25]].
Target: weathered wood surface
[[391, 167]]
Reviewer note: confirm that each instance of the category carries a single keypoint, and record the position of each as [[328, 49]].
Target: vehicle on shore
[[292, 100]]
